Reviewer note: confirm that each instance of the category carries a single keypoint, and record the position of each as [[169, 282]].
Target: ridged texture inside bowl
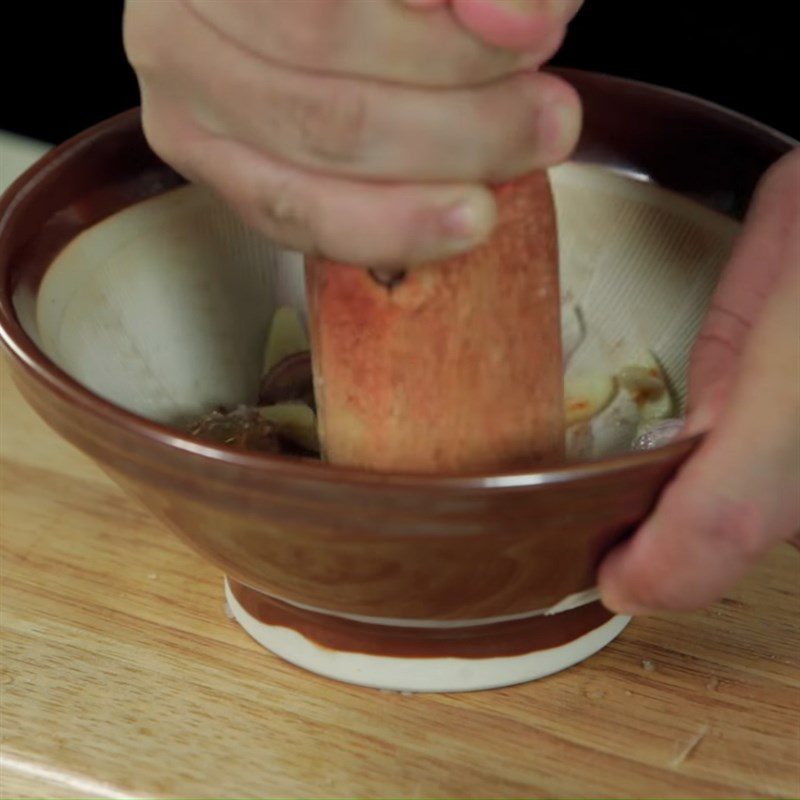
[[641, 263], [163, 308]]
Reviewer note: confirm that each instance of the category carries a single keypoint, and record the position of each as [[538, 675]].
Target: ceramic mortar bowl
[[130, 301]]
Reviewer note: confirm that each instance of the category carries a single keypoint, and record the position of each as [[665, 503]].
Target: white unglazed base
[[422, 674]]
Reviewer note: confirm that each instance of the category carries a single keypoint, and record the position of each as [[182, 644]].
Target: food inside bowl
[[164, 309], [614, 395]]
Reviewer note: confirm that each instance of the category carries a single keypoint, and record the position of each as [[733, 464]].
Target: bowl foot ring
[[409, 659]]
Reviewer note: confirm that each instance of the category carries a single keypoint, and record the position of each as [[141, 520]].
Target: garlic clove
[[288, 380], [287, 336], [644, 381], [586, 394], [295, 422], [578, 441], [242, 427], [614, 428]]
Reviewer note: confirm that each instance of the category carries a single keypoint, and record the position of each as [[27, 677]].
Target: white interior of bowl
[[164, 307]]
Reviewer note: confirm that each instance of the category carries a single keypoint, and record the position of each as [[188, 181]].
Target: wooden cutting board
[[122, 676]]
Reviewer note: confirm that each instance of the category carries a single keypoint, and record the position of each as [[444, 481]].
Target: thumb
[[760, 255], [517, 24], [739, 494]]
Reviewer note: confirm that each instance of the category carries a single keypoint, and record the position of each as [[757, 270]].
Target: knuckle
[[144, 59], [719, 338], [331, 124], [132, 35], [725, 318], [161, 142], [164, 139], [278, 210], [147, 52], [280, 206]]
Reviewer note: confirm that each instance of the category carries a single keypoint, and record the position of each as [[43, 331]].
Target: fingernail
[[560, 127], [618, 605], [517, 6], [516, 24], [451, 226], [468, 221], [609, 583]]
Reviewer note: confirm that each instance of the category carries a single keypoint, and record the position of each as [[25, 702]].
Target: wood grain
[[122, 675], [454, 366]]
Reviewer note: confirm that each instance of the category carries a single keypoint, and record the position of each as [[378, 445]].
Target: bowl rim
[[685, 97], [51, 378]]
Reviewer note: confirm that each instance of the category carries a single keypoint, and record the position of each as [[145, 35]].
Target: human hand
[[364, 130], [517, 24], [739, 493]]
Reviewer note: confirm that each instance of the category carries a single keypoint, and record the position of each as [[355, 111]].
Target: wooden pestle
[[453, 366]]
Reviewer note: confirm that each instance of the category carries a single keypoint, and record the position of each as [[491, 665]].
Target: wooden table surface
[[122, 676]]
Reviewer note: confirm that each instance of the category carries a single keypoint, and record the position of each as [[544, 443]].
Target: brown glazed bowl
[[116, 320]]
